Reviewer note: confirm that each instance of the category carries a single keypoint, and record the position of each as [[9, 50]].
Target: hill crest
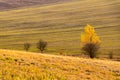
[[11, 4], [44, 67]]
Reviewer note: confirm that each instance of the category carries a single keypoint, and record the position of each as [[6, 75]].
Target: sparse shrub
[[61, 53], [90, 41], [91, 49], [111, 55], [41, 45], [15, 60], [9, 59], [27, 46]]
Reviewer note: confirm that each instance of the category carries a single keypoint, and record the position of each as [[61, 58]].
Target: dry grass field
[[18, 65], [13, 4], [61, 25]]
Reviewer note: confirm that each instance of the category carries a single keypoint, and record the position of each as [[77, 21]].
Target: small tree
[[91, 49], [90, 41], [27, 46], [41, 45], [111, 55]]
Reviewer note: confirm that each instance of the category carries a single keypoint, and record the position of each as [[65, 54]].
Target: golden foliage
[[89, 36]]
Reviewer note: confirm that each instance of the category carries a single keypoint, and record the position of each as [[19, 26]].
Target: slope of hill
[[16, 65], [60, 25], [11, 4]]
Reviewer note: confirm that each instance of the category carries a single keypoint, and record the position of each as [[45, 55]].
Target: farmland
[[61, 25]]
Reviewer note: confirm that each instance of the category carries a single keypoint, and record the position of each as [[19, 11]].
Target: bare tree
[[111, 55], [91, 49], [41, 45], [27, 46]]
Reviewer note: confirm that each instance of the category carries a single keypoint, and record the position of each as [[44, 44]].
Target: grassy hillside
[[61, 24], [11, 4], [16, 65]]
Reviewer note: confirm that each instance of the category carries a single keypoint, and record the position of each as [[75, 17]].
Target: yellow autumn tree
[[90, 41]]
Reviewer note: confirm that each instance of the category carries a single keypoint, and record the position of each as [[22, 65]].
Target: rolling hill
[[34, 66], [61, 24], [12, 4]]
